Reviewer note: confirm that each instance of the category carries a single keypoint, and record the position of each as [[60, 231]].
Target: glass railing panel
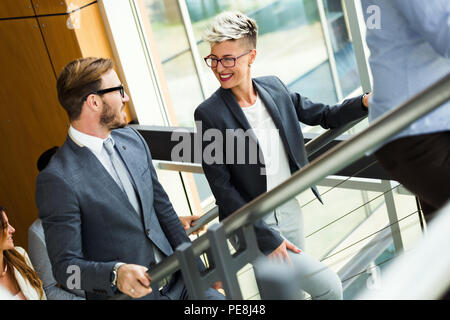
[[371, 277], [409, 230], [324, 225]]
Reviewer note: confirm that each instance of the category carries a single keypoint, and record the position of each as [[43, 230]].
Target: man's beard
[[110, 119]]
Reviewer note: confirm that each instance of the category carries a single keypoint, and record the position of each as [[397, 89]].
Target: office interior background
[[157, 49]]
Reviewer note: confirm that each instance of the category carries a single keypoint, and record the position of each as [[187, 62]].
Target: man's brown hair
[[77, 80]]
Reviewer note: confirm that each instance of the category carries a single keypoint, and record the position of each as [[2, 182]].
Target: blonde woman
[[17, 275]]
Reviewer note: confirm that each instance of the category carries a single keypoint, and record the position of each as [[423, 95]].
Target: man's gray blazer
[[236, 184], [89, 222]]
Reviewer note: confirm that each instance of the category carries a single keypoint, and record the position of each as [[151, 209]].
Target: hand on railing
[[188, 222], [133, 280], [201, 222]]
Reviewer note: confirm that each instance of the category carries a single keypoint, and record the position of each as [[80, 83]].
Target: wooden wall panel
[[88, 39], [58, 6], [92, 35], [34, 50], [61, 42], [15, 8], [31, 119]]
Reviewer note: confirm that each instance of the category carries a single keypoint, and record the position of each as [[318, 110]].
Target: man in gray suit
[[106, 217]]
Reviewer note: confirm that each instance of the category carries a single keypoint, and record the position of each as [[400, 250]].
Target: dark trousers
[[422, 164]]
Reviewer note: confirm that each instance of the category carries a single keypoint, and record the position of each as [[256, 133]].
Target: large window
[[342, 47], [176, 58], [292, 45]]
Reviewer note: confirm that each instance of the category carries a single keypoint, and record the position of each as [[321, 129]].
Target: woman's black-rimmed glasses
[[103, 91], [227, 62]]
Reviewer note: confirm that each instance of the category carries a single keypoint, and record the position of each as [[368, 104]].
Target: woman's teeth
[[225, 76]]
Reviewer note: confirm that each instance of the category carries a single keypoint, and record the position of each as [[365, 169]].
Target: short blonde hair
[[232, 25]]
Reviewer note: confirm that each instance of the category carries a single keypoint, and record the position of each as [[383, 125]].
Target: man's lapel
[[133, 168], [98, 175]]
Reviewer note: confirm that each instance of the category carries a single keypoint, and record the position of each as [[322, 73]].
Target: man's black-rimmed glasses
[[103, 91]]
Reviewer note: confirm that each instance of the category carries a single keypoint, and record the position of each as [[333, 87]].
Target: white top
[[5, 295], [272, 147]]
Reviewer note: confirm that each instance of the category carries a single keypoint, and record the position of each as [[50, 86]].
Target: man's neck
[[92, 130]]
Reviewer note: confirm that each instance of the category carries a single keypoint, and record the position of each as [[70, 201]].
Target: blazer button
[[148, 232]]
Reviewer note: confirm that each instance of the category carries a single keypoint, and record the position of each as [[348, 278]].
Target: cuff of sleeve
[[104, 282], [268, 239]]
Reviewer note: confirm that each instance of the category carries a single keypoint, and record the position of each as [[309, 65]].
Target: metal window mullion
[[193, 45], [327, 38], [150, 62], [356, 23]]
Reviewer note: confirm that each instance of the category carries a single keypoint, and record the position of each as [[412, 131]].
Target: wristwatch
[[114, 274]]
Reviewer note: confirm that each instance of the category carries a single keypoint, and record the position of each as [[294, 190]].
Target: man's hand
[[133, 280], [218, 286], [281, 254], [187, 222]]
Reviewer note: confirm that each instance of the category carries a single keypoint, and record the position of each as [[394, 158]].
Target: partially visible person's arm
[[37, 252], [327, 116], [431, 19], [168, 218]]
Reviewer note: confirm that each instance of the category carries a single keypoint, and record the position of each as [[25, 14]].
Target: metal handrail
[[328, 163], [316, 144]]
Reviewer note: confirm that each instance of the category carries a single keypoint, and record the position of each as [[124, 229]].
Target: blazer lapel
[[235, 108], [274, 112], [133, 169], [103, 179]]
